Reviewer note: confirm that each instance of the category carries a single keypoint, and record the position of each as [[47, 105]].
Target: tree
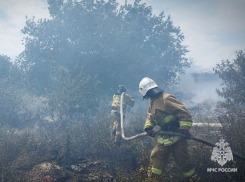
[[232, 74], [119, 44], [9, 72], [71, 98], [11, 93], [5, 66]]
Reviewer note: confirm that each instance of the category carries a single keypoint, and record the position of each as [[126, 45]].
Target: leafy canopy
[[119, 44], [11, 92], [232, 74], [5, 66]]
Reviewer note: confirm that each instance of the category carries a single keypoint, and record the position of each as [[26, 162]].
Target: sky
[[213, 29]]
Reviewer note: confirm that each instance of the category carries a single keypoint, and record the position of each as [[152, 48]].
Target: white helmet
[[145, 85]]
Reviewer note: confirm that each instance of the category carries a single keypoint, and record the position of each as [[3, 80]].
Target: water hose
[[122, 124], [166, 133]]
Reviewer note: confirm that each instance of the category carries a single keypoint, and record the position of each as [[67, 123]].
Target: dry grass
[[91, 139]]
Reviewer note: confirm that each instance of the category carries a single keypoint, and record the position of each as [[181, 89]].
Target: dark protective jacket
[[168, 113]]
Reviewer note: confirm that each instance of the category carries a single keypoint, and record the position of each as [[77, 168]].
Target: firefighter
[[115, 112], [171, 115]]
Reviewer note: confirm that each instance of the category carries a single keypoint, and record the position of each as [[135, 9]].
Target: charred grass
[[91, 140]]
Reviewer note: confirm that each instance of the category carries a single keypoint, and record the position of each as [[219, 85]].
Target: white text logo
[[222, 152]]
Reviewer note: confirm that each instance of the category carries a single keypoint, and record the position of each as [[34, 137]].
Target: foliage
[[5, 66], [10, 106], [11, 92], [232, 74], [70, 97], [22, 150], [119, 44], [233, 130], [90, 141]]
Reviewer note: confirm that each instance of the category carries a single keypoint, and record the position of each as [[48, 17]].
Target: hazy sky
[[213, 29]]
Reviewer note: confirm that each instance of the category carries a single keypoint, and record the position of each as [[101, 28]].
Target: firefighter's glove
[[150, 132], [186, 133]]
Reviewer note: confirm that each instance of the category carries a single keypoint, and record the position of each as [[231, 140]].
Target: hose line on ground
[[166, 133]]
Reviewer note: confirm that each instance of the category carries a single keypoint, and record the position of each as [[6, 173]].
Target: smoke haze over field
[[202, 85], [60, 104], [213, 30]]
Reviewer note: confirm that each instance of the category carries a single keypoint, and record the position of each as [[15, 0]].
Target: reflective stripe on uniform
[[117, 101], [149, 123], [156, 171], [167, 118], [167, 141], [189, 173], [185, 123], [153, 123]]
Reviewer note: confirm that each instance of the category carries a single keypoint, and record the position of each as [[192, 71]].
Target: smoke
[[200, 85]]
